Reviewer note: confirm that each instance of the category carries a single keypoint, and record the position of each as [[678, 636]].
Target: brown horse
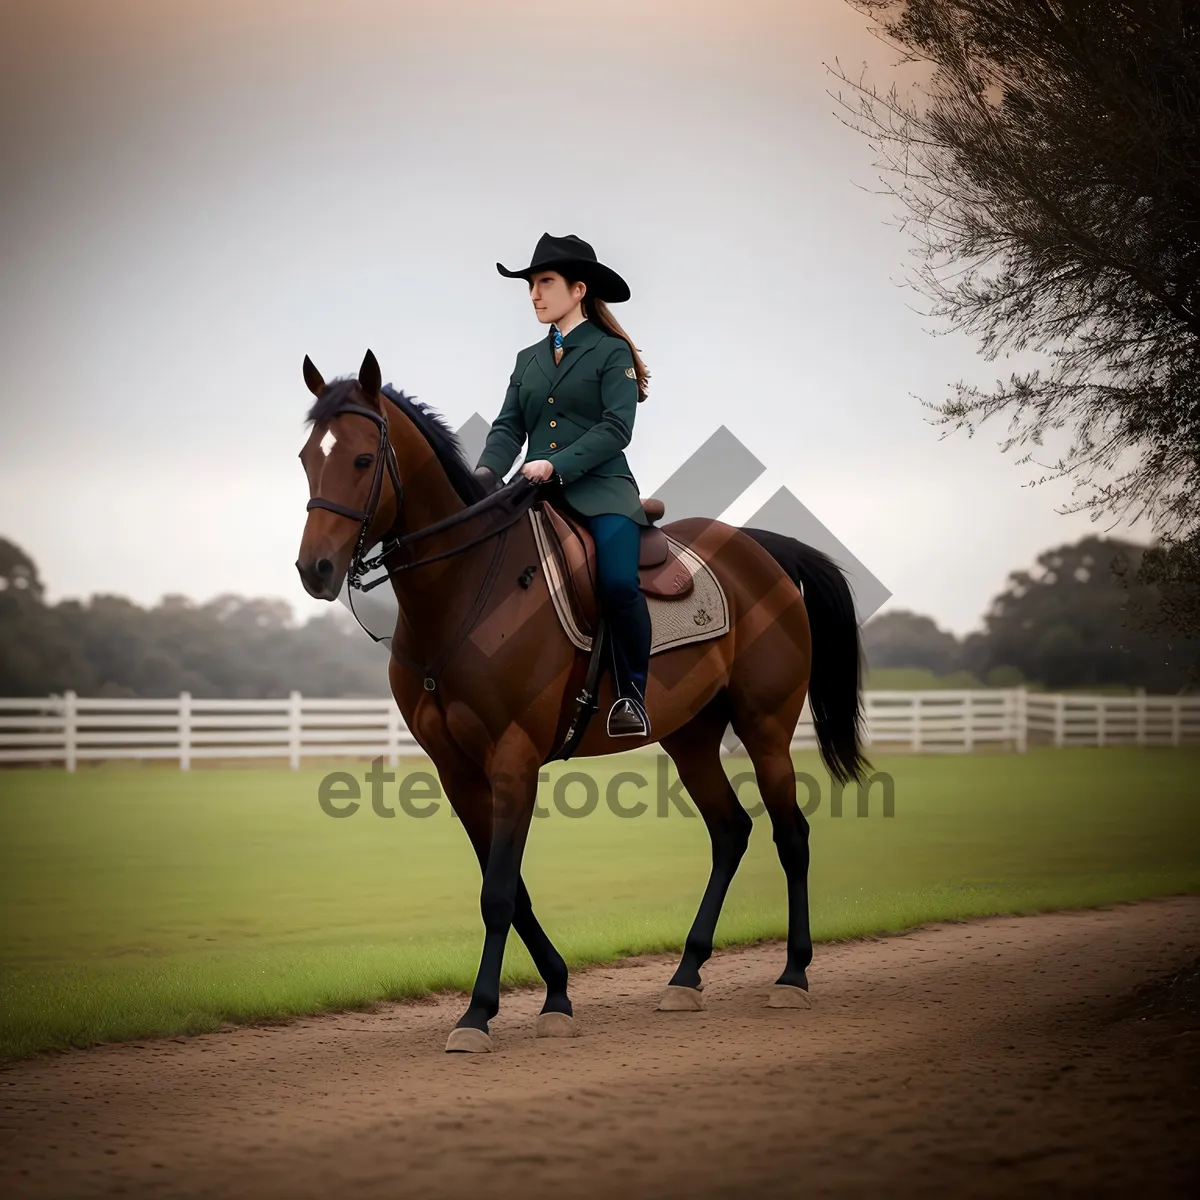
[[481, 670]]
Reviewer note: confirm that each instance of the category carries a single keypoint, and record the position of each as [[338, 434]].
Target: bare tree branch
[[1048, 172]]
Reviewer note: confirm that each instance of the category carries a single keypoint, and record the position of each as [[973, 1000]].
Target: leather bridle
[[386, 457], [512, 501]]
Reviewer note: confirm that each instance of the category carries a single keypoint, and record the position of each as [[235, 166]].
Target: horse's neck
[[428, 596], [429, 495]]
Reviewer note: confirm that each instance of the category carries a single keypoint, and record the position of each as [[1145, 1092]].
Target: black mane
[[432, 425]]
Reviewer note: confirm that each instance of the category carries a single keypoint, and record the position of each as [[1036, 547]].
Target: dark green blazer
[[577, 415]]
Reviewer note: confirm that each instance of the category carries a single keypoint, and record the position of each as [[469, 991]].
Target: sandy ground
[[1050, 1055]]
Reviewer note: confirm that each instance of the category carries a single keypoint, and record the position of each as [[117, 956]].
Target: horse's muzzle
[[318, 578]]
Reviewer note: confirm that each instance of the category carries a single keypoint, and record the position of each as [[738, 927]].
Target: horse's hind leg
[[696, 750], [768, 742]]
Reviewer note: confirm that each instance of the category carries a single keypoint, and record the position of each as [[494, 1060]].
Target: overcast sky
[[195, 195]]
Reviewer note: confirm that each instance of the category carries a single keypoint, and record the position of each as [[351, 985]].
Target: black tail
[[835, 689]]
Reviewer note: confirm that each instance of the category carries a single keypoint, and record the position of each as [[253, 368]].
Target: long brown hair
[[599, 313]]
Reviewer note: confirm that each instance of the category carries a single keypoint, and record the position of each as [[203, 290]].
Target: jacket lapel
[[544, 357], [582, 342]]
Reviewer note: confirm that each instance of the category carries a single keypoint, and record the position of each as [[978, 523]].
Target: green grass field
[[140, 902]]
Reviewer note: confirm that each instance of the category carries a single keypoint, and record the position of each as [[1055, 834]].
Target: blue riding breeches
[[617, 541]]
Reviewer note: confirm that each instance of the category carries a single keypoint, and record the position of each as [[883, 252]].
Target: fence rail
[[69, 729]]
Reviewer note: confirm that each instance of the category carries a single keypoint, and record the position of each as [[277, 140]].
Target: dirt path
[[1036, 1054]]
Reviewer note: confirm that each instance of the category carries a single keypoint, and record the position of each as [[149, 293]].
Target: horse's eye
[[364, 460]]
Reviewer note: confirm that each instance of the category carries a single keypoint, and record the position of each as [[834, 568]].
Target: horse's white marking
[[328, 442]]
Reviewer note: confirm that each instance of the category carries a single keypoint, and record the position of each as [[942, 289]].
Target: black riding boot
[[629, 633]]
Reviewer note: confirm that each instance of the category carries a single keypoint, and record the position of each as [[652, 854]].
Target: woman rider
[[574, 394]]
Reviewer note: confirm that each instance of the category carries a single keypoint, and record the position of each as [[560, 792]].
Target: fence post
[[393, 735], [70, 731], [1140, 717], [969, 722], [1101, 720], [185, 731], [915, 702], [1177, 721], [1021, 719], [294, 723], [1060, 719]]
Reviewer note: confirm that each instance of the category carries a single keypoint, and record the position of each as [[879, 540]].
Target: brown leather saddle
[[660, 572]]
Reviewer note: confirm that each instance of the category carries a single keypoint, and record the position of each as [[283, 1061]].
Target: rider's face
[[553, 297]]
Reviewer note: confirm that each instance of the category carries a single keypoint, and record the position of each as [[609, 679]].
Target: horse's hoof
[[680, 999], [468, 1041], [784, 995], [556, 1024]]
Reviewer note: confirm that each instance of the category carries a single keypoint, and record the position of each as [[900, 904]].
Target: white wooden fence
[[70, 729]]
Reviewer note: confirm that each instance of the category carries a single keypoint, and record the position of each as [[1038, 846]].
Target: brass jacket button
[[549, 399], [552, 424], [553, 445]]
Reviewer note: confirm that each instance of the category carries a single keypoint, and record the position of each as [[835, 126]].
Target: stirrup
[[627, 718]]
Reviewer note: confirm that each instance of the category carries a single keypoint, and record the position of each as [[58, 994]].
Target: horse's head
[[352, 478]]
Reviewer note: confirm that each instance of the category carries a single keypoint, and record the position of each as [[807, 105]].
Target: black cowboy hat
[[572, 256]]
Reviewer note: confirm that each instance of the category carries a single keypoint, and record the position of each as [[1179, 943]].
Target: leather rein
[[517, 498]]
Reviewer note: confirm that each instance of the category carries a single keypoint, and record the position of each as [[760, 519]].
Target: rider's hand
[[539, 470]]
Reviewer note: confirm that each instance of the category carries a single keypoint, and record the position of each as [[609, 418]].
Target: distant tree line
[[231, 646], [1075, 621], [1080, 619]]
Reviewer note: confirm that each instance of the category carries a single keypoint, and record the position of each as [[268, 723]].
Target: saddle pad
[[701, 615]]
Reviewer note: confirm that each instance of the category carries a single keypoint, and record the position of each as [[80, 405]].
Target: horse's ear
[[369, 376], [312, 377]]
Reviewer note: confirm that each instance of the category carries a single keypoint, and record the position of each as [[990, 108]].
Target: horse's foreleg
[[556, 1016], [513, 795], [472, 800]]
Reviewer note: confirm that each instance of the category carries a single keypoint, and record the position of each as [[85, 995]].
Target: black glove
[[487, 477]]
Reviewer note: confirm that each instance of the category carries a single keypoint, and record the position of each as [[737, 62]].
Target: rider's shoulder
[[615, 350], [612, 342]]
